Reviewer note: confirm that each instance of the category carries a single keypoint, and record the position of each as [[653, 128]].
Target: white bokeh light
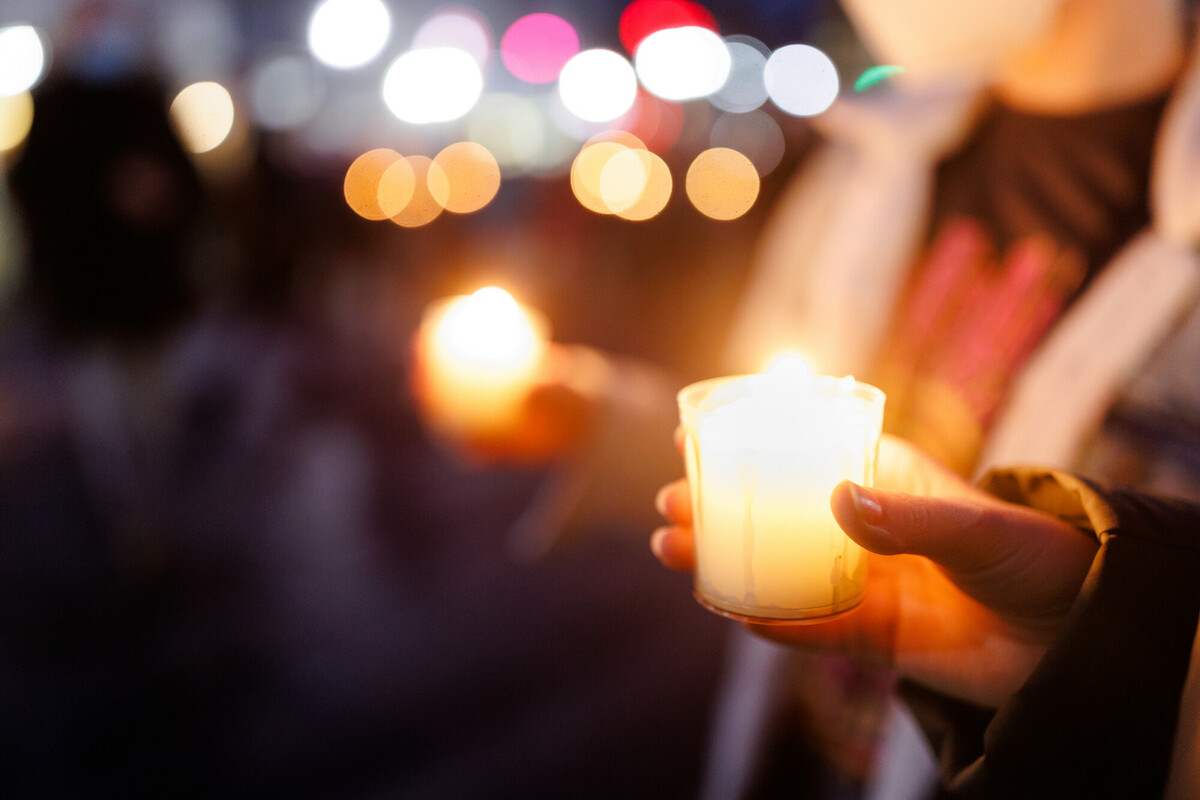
[[345, 34], [598, 85], [22, 59], [744, 89], [682, 63], [459, 27], [203, 114], [801, 80], [438, 84]]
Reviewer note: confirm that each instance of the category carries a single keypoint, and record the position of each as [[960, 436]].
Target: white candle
[[480, 355], [763, 454]]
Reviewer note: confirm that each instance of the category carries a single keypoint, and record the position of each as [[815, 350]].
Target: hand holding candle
[[489, 381], [966, 591], [479, 355]]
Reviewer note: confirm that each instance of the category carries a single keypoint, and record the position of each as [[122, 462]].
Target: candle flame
[[791, 363], [489, 327]]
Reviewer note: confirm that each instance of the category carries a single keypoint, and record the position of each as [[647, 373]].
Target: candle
[[763, 453], [480, 355]]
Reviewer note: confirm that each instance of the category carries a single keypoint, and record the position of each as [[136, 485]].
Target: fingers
[[674, 501], [675, 548], [674, 545]]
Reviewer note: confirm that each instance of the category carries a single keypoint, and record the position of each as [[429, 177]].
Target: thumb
[[889, 523], [1012, 558]]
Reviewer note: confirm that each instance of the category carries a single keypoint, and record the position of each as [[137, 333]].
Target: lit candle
[[480, 355], [763, 454]]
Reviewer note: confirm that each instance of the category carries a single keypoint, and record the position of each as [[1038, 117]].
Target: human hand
[[553, 419], [965, 591]]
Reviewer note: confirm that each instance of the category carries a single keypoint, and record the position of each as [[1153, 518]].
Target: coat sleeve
[[1098, 716]]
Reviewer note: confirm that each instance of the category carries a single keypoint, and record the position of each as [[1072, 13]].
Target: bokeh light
[[285, 91], [682, 63], [614, 173], [459, 27], [801, 80], [587, 170], [362, 184], [755, 135], [623, 179], [537, 46], [396, 187], [438, 84], [511, 127], [345, 34], [644, 17], [722, 183], [744, 89], [22, 59], [422, 207], [16, 116], [875, 75], [468, 177], [598, 85], [203, 115], [636, 184]]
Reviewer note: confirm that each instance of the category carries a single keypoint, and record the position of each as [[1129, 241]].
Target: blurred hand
[[965, 591], [555, 417]]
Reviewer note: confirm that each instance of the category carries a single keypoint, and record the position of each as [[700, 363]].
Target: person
[[994, 239], [1037, 601]]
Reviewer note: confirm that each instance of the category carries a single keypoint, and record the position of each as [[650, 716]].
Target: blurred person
[[1035, 602], [977, 239], [231, 563]]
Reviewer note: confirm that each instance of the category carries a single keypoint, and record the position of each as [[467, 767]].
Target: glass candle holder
[[763, 454]]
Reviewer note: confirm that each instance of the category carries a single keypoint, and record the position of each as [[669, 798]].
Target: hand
[[965, 591], [555, 416]]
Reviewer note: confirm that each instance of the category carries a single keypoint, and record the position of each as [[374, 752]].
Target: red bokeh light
[[643, 17]]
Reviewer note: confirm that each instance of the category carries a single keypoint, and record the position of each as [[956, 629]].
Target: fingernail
[[866, 505], [656, 542], [660, 500]]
